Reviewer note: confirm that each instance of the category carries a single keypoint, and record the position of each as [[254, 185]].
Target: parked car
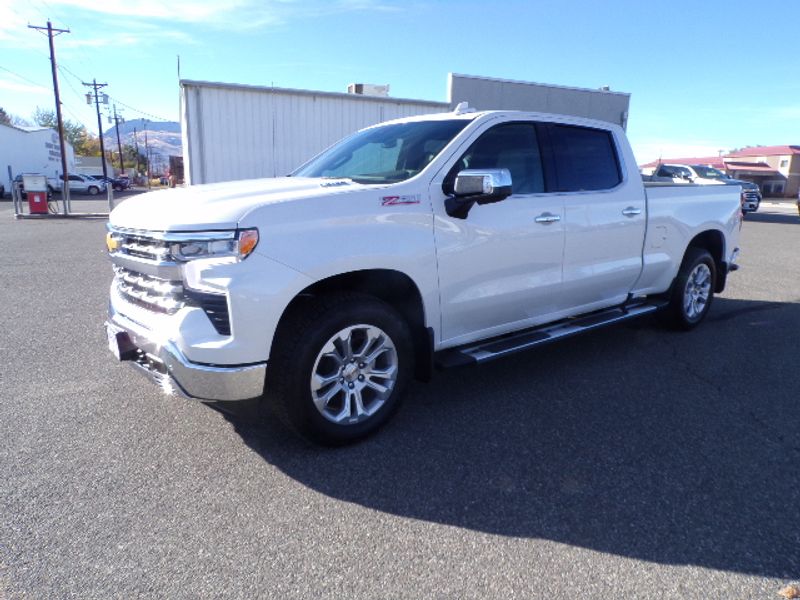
[[751, 199], [85, 184], [117, 183], [706, 175], [438, 240]]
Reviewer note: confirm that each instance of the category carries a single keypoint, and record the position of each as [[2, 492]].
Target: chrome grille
[[160, 295], [751, 195], [140, 245], [147, 276]]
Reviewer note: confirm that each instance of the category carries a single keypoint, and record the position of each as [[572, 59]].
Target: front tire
[[693, 291], [339, 367], [93, 191]]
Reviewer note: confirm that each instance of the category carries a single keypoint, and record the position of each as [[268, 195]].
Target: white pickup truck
[[705, 175], [425, 242]]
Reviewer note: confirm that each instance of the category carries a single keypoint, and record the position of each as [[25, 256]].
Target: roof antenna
[[463, 108]]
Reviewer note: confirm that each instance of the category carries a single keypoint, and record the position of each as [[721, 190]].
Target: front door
[[500, 268]]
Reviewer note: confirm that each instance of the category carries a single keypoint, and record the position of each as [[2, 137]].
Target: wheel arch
[[391, 286], [713, 241]]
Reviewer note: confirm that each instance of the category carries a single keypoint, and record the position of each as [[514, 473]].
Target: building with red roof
[[776, 169]]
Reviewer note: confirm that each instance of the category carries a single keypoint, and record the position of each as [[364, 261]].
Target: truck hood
[[217, 205]]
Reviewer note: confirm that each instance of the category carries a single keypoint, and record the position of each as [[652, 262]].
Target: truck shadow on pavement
[[666, 447], [772, 218]]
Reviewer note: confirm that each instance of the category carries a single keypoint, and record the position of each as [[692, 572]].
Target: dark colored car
[[116, 183], [751, 191]]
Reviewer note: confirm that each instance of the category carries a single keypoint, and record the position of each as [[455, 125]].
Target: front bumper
[[750, 206], [166, 365]]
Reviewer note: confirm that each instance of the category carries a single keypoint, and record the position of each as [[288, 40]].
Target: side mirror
[[481, 186]]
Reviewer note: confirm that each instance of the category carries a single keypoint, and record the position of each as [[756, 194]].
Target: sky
[[704, 76]]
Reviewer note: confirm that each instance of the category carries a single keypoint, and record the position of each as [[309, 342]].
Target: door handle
[[632, 211], [547, 218]]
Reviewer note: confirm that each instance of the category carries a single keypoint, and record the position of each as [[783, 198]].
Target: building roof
[[766, 151], [713, 161], [759, 167], [27, 128]]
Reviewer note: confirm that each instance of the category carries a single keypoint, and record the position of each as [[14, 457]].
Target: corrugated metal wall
[[235, 132], [485, 93]]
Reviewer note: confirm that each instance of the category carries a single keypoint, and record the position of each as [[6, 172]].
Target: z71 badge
[[396, 200]]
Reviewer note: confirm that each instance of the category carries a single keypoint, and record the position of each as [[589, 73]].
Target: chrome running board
[[497, 347]]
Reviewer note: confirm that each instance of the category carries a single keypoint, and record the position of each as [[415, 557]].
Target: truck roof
[[475, 114]]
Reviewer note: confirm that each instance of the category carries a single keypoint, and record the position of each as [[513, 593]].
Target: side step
[[486, 350]]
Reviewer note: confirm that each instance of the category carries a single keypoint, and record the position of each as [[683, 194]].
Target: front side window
[[585, 159], [384, 154], [512, 146]]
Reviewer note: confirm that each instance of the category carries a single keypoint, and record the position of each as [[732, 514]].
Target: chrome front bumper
[[165, 365]]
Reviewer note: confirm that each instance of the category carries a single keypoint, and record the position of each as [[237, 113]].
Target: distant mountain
[[163, 139], [142, 124]]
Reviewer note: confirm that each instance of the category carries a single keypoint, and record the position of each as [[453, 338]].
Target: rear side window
[[585, 159]]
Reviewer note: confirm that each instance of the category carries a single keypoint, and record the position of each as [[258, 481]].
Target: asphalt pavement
[[632, 462]]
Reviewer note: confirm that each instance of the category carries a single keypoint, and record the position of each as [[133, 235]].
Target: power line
[[22, 77], [72, 87], [136, 110]]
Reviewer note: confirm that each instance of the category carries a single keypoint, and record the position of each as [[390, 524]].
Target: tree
[[82, 141], [5, 118]]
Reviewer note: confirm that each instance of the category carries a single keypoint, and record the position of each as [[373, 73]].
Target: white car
[[438, 240], [85, 184]]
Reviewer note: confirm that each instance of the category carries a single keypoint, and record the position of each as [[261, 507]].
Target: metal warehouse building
[[31, 150], [235, 132]]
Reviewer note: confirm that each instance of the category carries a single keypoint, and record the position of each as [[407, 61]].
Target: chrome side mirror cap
[[477, 186], [483, 182]]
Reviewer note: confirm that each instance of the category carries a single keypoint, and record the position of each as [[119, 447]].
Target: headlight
[[211, 244]]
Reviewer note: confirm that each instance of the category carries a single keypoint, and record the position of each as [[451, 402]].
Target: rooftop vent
[[368, 89]]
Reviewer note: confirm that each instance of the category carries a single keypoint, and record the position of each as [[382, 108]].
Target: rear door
[[604, 216]]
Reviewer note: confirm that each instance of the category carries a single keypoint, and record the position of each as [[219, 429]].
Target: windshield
[[385, 154], [709, 172]]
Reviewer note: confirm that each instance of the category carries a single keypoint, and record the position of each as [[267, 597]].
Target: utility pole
[[147, 155], [96, 86], [119, 143], [136, 145], [51, 33]]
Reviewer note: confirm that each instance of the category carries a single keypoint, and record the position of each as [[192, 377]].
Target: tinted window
[[709, 172], [511, 146], [585, 159]]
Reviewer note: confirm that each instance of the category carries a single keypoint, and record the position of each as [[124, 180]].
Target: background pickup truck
[[427, 242], [705, 175]]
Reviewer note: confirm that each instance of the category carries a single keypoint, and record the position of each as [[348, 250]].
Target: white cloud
[[129, 38], [93, 23], [21, 86], [232, 14]]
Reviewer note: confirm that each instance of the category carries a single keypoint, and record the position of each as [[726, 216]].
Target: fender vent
[[215, 307]]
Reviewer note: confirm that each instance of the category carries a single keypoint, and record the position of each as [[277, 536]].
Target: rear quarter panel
[[676, 215]]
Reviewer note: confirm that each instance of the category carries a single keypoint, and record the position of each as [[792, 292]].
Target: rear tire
[[693, 291], [93, 191], [339, 367]]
